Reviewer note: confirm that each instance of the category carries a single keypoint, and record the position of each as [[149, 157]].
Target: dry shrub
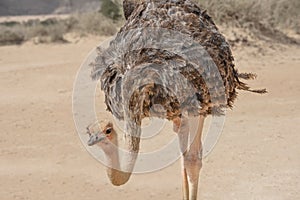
[[41, 32], [47, 31], [266, 18], [53, 29], [94, 23], [276, 13], [10, 36]]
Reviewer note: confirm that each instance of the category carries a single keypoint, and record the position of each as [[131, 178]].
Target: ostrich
[[185, 17]]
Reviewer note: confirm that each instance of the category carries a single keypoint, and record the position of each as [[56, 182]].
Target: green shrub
[[110, 10]]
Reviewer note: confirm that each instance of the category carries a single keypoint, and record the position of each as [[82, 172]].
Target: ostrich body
[[186, 18]]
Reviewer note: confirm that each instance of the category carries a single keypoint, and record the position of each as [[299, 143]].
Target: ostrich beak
[[95, 138]]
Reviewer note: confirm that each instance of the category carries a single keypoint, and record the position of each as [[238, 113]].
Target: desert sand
[[42, 158]]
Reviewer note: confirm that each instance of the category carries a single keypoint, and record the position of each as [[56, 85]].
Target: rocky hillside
[[38, 7]]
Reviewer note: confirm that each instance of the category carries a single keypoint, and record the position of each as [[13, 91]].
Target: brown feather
[[187, 18]]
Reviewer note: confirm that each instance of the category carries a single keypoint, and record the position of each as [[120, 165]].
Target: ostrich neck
[[116, 175]]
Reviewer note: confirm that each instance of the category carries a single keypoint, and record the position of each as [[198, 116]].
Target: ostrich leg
[[192, 161], [180, 126]]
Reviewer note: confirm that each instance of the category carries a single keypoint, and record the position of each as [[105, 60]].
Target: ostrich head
[[103, 134]]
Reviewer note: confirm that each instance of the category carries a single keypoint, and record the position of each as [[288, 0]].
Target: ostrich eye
[[108, 131]]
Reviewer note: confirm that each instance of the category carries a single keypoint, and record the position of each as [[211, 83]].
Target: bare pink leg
[[192, 161]]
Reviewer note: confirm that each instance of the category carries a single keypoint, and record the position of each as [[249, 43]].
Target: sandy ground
[[41, 156]]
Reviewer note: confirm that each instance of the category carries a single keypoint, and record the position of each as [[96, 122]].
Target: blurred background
[[51, 20]]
